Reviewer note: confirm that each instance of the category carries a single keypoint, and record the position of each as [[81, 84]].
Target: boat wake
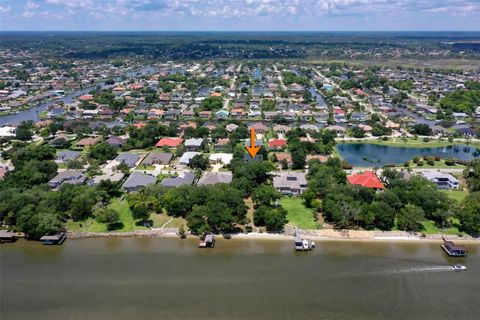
[[421, 269]]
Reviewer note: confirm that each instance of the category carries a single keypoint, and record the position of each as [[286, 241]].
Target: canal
[[159, 278]]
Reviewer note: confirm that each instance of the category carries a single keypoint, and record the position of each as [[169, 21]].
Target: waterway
[[368, 155], [33, 112], [159, 278]]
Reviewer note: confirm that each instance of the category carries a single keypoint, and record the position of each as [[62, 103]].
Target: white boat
[[459, 267]]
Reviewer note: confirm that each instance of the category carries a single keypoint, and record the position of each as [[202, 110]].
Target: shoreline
[[370, 236]]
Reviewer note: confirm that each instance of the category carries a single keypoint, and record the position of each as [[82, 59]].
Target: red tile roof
[[367, 179], [277, 143], [169, 142]]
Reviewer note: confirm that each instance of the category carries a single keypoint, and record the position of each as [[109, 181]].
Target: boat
[[6, 236], [454, 250], [303, 244], [208, 242], [459, 267]]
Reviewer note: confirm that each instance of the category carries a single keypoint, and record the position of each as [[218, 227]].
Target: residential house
[[116, 141], [160, 158], [193, 144], [88, 142], [211, 178], [185, 178], [222, 114], [69, 177], [444, 181], [187, 157], [281, 129], [129, 159], [66, 155], [223, 158], [231, 127], [113, 177], [277, 144], [289, 182], [221, 143], [137, 180], [284, 157], [169, 142], [259, 127], [367, 179]]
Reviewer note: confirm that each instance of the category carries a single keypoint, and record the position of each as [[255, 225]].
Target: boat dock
[[303, 244], [454, 250], [208, 242], [57, 239]]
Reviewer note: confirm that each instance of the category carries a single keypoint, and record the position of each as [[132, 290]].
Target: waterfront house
[[137, 180], [367, 179], [444, 181], [289, 182]]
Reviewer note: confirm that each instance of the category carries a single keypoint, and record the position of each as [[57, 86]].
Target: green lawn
[[298, 215], [437, 164], [458, 195], [430, 228], [128, 223]]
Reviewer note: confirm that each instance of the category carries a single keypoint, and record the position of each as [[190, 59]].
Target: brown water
[[154, 278]]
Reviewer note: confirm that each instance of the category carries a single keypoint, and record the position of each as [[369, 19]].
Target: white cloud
[[30, 5], [5, 9]]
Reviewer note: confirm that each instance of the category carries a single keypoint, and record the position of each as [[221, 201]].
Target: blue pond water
[[368, 155]]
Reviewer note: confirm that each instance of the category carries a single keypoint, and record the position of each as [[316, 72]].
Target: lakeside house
[[366, 179], [444, 181]]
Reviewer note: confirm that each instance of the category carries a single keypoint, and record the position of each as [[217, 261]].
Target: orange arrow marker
[[253, 149]]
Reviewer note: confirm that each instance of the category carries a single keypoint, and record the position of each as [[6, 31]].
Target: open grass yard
[[126, 222], [299, 215], [458, 195], [410, 142], [430, 228]]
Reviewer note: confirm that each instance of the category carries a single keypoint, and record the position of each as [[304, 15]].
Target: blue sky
[[247, 15]]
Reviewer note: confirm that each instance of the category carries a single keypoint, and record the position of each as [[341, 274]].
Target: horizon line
[[352, 31]]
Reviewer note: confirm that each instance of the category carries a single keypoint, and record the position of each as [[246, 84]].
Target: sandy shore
[[317, 235]]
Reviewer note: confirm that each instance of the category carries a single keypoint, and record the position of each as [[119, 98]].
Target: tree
[[410, 217], [298, 157], [108, 215], [422, 129], [472, 175], [102, 152], [24, 131], [199, 162], [469, 216], [358, 132], [212, 103], [265, 195], [139, 211], [274, 219]]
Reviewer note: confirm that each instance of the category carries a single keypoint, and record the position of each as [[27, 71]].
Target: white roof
[[225, 158], [187, 156], [7, 131]]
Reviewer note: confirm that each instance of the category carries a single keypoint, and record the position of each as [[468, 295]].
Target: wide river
[[159, 278]]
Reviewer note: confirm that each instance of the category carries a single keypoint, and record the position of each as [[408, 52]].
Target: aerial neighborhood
[[123, 138]]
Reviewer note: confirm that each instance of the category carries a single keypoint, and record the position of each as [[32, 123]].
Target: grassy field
[[437, 165], [298, 214], [431, 228], [127, 223], [458, 195]]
